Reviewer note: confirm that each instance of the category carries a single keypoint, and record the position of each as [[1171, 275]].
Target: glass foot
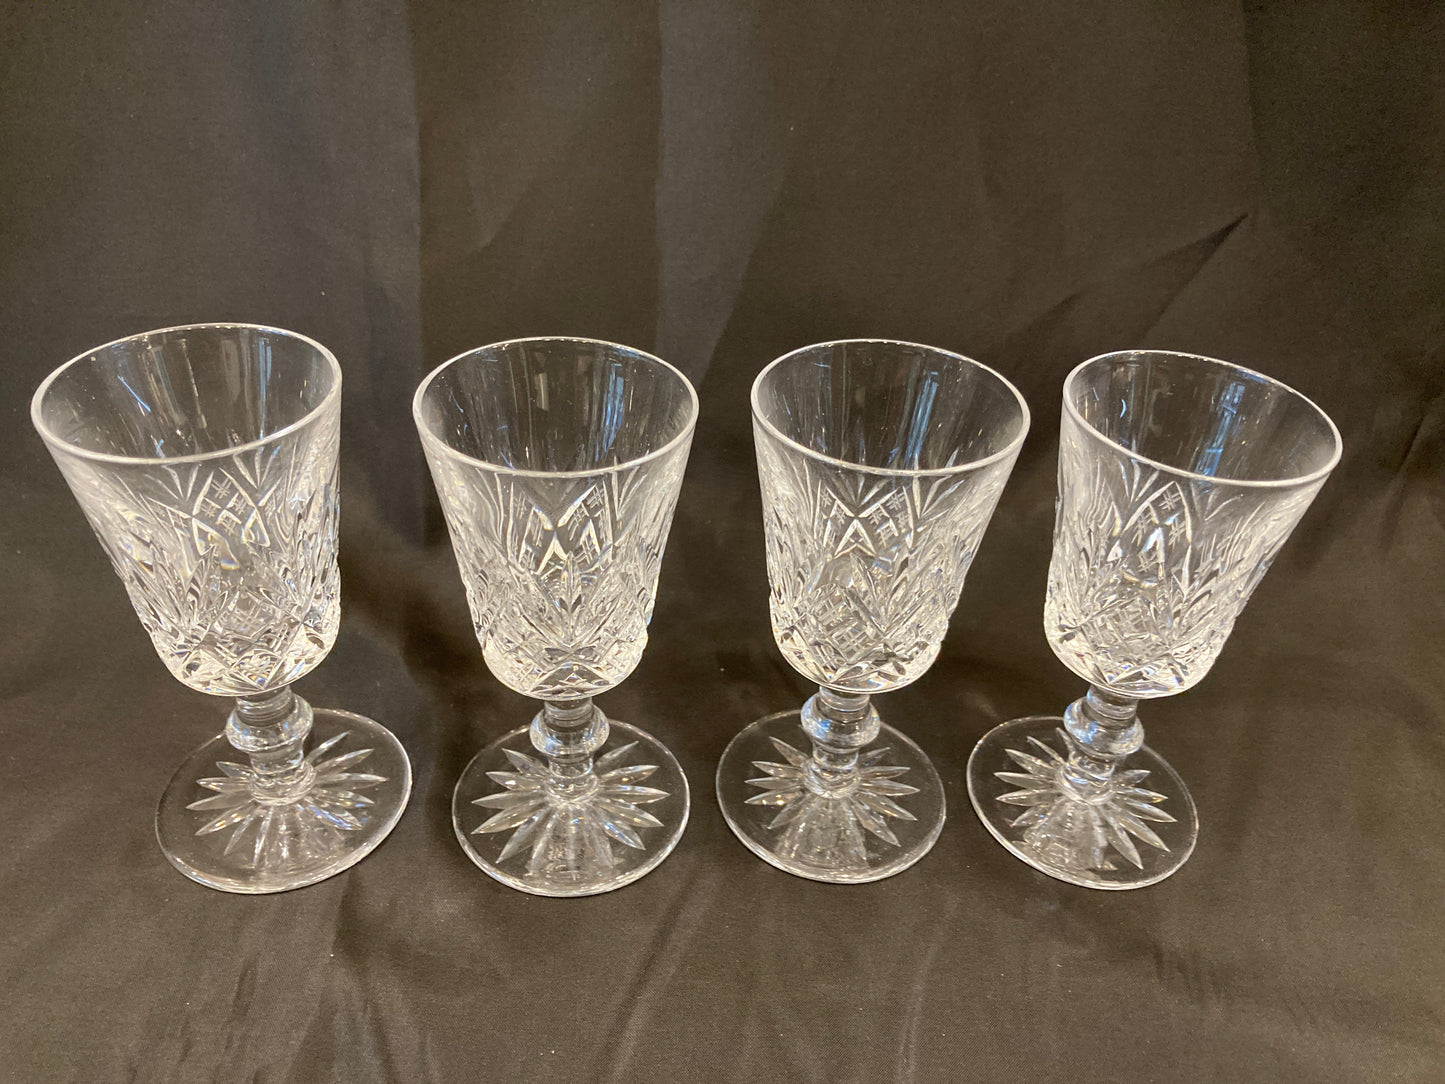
[[872, 829], [1135, 835], [518, 824], [215, 832]]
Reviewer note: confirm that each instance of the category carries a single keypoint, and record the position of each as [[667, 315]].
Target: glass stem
[[271, 729], [840, 724], [1103, 730], [567, 733]]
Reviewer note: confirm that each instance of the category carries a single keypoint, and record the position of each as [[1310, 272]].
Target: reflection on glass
[[558, 463], [1180, 477], [880, 464], [204, 458]]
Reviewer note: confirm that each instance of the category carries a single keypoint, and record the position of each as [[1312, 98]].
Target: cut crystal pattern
[[1150, 569], [866, 567], [296, 833], [1180, 477], [1064, 831], [568, 828], [229, 562], [560, 572], [828, 829]]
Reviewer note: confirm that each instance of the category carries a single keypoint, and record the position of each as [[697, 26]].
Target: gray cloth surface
[[1027, 184]]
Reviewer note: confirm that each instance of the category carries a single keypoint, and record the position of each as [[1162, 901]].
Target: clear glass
[[1180, 477], [880, 464], [558, 462], [204, 458]]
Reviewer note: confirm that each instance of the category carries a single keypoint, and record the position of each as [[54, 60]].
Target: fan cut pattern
[[1064, 831], [560, 572], [866, 568], [831, 830], [277, 836], [569, 835], [229, 562], [1151, 569]]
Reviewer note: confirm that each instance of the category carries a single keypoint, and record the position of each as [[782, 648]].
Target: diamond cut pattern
[[865, 567], [1150, 570], [229, 562], [560, 572]]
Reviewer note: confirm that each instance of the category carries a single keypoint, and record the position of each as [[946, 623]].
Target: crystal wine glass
[[205, 459], [880, 464], [1180, 477], [558, 462]]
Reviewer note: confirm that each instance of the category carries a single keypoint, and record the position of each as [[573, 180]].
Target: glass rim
[[1318, 474], [1025, 417], [55, 442], [431, 439]]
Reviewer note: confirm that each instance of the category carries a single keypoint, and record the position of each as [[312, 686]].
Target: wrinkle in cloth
[[1028, 184]]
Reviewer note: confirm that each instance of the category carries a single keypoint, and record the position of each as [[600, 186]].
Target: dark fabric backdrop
[[1027, 183]]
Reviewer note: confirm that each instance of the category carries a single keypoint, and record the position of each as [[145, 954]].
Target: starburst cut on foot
[[303, 830], [1065, 831], [570, 827], [826, 829]]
